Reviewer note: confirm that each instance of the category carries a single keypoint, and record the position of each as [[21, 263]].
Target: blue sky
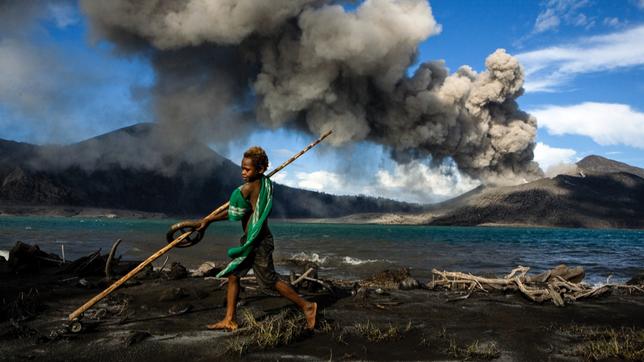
[[584, 62]]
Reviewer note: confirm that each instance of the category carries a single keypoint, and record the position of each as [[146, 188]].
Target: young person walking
[[251, 203]]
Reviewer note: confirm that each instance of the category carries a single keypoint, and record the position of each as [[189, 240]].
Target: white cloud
[[324, 181], [283, 152], [548, 68], [640, 4], [414, 182], [64, 14], [613, 22], [417, 182], [558, 11], [546, 20], [605, 123], [281, 177], [548, 156]]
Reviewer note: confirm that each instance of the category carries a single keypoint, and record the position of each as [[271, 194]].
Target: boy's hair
[[258, 155]]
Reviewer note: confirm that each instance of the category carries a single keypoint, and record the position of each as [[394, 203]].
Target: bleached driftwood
[[302, 277], [561, 285], [110, 260]]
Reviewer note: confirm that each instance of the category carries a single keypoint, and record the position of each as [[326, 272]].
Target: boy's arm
[[250, 191], [223, 215]]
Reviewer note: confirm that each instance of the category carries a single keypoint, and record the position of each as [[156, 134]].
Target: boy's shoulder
[[249, 187]]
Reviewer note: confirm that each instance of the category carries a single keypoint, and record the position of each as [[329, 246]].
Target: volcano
[[131, 170]]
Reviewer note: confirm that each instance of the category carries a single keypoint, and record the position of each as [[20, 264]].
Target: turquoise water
[[353, 251]]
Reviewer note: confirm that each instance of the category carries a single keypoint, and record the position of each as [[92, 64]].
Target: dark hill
[[602, 194], [135, 169], [599, 164], [605, 200]]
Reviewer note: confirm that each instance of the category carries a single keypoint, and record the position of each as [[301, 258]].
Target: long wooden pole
[[75, 314]]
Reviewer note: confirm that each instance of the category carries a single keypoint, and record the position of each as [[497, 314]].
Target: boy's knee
[[233, 278]]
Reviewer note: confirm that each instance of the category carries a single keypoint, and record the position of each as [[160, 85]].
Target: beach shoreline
[[164, 319], [76, 211]]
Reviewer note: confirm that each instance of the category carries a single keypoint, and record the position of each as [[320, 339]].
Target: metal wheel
[[181, 228]]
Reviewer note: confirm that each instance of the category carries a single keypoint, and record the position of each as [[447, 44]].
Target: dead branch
[[110, 257], [560, 285], [302, 277], [164, 263]]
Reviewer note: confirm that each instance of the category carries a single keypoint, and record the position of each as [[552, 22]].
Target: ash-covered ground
[[162, 315]]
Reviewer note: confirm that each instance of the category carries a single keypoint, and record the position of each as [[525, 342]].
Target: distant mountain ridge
[[602, 193], [129, 169], [599, 164]]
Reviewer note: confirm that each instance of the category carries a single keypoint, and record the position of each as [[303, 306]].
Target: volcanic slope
[[134, 169], [601, 193]]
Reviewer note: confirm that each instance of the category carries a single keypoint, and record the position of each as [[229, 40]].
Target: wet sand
[[137, 323]]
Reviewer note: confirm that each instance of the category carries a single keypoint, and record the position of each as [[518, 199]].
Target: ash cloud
[[224, 67]]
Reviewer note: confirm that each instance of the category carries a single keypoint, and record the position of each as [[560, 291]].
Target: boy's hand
[[196, 228], [202, 225]]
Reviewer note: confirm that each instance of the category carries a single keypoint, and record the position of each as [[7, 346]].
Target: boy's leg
[[309, 308], [232, 293], [265, 273]]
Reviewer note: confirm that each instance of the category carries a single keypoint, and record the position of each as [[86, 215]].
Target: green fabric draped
[[238, 206], [236, 210]]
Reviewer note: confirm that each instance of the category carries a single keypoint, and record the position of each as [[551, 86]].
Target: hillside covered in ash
[[133, 169], [599, 193]]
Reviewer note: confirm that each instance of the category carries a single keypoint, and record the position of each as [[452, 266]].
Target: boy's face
[[248, 171]]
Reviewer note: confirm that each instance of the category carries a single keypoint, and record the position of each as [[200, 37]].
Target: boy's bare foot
[[225, 324], [309, 311]]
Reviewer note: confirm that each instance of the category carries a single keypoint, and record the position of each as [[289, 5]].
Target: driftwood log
[[561, 285], [110, 260]]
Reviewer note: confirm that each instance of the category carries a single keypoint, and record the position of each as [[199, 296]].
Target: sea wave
[[313, 257], [356, 261], [332, 260]]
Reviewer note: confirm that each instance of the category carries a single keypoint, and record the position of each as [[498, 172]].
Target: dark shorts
[[261, 260]]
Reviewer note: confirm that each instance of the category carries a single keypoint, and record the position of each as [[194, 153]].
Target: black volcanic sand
[[377, 325]]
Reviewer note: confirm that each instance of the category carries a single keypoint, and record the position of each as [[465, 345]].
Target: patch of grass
[[340, 337], [424, 341], [280, 329], [325, 326], [605, 343], [376, 334], [473, 351], [407, 327], [442, 334]]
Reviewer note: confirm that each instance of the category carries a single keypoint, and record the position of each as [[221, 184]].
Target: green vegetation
[[473, 351], [376, 334], [606, 343], [447, 343], [280, 329]]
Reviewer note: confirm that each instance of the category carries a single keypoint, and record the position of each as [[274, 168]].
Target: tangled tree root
[[561, 285]]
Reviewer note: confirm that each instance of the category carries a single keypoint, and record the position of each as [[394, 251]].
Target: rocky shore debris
[[32, 270], [173, 294], [206, 269], [637, 279], [29, 259], [395, 323], [392, 279], [177, 271], [136, 337], [562, 285], [25, 258]]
